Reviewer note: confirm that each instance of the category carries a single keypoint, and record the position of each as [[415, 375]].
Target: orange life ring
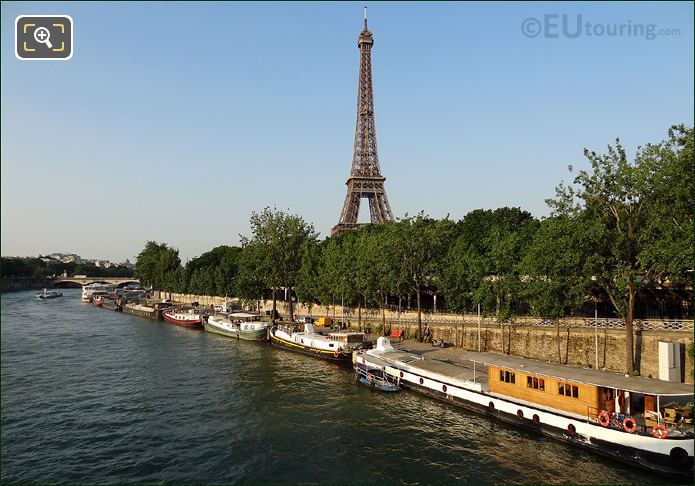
[[659, 431], [604, 418], [336, 354], [629, 424], [369, 377]]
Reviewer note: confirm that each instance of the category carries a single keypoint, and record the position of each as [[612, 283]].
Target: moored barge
[[640, 421], [334, 346], [185, 318]]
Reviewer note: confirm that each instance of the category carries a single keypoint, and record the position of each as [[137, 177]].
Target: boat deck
[[462, 370], [457, 364]]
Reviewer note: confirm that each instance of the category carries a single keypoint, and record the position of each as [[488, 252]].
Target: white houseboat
[[641, 421], [334, 346], [88, 290], [239, 325]]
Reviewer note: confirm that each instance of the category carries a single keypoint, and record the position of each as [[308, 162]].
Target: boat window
[[567, 390], [535, 383], [507, 376], [330, 345]]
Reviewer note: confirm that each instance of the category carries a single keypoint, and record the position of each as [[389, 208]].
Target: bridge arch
[[81, 281], [67, 284]]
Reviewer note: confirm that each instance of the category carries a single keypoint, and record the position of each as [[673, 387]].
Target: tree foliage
[[640, 215]]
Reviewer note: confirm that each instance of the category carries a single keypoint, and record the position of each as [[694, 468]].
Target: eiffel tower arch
[[365, 181]]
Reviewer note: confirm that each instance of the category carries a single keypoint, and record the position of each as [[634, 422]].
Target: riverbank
[[526, 337]]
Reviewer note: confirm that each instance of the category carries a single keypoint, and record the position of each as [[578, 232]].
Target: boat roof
[[243, 314], [636, 384], [342, 334]]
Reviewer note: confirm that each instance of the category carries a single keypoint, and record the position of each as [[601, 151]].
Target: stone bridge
[[117, 281]]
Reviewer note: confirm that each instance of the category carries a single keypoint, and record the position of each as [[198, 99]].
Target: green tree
[[629, 205], [481, 265], [249, 285], [278, 239], [419, 245], [156, 266], [338, 269], [553, 269]]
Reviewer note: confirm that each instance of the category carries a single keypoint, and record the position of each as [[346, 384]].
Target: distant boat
[[222, 325], [98, 298], [251, 328], [180, 317], [49, 294], [233, 325], [336, 346], [88, 290]]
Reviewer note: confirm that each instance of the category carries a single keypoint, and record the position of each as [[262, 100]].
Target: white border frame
[[72, 44]]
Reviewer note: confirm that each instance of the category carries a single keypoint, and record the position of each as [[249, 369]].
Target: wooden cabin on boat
[[588, 393]]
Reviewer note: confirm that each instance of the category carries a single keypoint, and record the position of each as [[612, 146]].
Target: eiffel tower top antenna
[[365, 18]]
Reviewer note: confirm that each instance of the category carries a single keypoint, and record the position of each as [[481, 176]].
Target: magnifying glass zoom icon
[[43, 36]]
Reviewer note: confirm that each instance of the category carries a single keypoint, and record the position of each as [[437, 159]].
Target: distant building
[[102, 263], [127, 264], [62, 258]]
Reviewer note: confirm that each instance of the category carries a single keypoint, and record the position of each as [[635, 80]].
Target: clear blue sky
[[173, 122]]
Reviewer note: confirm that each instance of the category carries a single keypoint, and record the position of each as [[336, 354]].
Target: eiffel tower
[[365, 179]]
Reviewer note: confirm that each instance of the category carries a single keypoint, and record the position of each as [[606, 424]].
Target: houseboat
[[88, 290], [334, 346], [181, 317], [239, 325], [641, 421]]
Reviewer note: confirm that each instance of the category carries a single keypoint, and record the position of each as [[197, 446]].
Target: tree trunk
[[383, 316], [567, 346], [274, 305], [502, 336], [359, 315], [289, 295], [419, 315], [629, 335], [557, 329]]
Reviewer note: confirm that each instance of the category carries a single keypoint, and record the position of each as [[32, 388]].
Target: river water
[[95, 396]]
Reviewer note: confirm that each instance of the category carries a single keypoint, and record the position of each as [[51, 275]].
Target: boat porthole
[[679, 455], [444, 388], [571, 429], [491, 406], [422, 381], [520, 413], [536, 419], [401, 374]]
